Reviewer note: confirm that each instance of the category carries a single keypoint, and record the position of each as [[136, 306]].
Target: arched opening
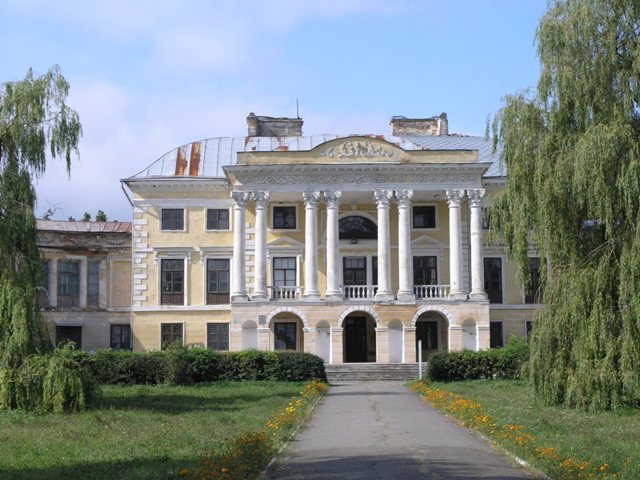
[[287, 332], [359, 338], [395, 341], [432, 328], [469, 337], [356, 227], [323, 340], [249, 334]]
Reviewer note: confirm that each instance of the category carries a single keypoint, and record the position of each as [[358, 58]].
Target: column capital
[[311, 199], [475, 196], [454, 197], [332, 198], [383, 197], [240, 199], [403, 198], [260, 198]]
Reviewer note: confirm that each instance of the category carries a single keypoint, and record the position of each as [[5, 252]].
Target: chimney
[[420, 127], [261, 126]]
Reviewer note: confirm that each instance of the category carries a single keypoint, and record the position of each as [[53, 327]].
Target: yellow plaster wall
[[120, 283]]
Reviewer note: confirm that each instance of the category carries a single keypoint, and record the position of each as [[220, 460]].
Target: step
[[357, 372]]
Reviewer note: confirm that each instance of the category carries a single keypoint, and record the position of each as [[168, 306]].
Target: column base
[[479, 296], [311, 297], [260, 297], [333, 297], [406, 297], [457, 296], [384, 296], [239, 298]]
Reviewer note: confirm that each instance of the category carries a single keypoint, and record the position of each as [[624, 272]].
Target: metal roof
[[83, 227], [205, 158]]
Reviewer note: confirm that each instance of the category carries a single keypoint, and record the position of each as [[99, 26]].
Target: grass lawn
[[139, 432], [602, 438]]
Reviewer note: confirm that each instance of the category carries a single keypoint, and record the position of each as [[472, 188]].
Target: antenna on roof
[[297, 109]]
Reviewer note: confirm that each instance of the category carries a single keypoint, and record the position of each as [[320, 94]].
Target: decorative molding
[[454, 197], [475, 196], [261, 199], [293, 310], [311, 199], [383, 197], [359, 308], [359, 149], [434, 308], [172, 252], [332, 199], [240, 199], [403, 198]]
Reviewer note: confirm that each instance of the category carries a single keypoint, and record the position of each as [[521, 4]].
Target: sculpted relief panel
[[358, 149]]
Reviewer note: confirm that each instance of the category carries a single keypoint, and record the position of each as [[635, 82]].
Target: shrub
[[122, 367], [503, 363]]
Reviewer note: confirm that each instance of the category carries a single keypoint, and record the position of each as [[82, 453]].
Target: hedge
[[184, 366], [500, 363]]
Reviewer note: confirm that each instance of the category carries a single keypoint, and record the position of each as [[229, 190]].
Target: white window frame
[[282, 254], [422, 252], [206, 215], [272, 206], [205, 258], [437, 217], [185, 218], [173, 253]]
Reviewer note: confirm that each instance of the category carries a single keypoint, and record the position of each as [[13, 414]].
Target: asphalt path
[[381, 430]]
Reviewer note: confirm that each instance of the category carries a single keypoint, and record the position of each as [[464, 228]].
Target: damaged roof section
[[83, 227]]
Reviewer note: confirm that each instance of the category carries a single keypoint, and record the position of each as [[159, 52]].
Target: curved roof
[[205, 158]]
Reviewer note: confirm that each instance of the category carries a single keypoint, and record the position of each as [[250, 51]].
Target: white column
[[384, 293], [454, 198], [311, 291], [238, 274], [332, 200], [53, 282], [83, 283], [405, 258], [261, 200], [477, 262]]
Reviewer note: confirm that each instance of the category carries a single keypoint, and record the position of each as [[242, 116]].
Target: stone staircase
[[365, 372]]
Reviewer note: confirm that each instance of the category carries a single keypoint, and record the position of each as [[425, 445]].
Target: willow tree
[[572, 152], [35, 124]]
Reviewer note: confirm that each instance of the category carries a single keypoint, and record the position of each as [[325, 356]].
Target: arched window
[[356, 228]]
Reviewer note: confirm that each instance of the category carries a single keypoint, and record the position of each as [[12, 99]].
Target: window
[[355, 270], [93, 283], [69, 334], [217, 281], [528, 329], [284, 271], [217, 219], [374, 270], [496, 335], [172, 219], [43, 293], [284, 218], [285, 336], [493, 279], [121, 337], [218, 336], [172, 273], [355, 227], [68, 284], [424, 216], [170, 333], [425, 270], [532, 291], [486, 218]]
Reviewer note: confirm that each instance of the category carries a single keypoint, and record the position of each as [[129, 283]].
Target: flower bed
[[515, 438], [245, 456]]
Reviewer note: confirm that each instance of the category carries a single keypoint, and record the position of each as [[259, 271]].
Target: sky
[[147, 76]]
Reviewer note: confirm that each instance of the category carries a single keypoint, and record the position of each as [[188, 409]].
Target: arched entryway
[[432, 328], [249, 334], [287, 332], [323, 340], [395, 341], [359, 338]]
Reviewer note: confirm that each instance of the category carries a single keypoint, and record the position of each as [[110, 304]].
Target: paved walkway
[[381, 430]]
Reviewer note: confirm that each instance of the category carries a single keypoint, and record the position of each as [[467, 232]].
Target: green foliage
[[101, 216], [497, 363], [183, 366], [572, 152], [34, 122]]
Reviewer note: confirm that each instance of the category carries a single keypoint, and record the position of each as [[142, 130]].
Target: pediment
[[427, 241], [285, 241]]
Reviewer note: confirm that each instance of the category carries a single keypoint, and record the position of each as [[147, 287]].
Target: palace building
[[352, 247]]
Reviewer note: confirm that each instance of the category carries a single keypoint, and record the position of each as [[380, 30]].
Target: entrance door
[[355, 339], [427, 331]]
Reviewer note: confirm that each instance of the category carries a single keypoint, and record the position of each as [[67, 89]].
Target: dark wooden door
[[427, 331], [355, 339]]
